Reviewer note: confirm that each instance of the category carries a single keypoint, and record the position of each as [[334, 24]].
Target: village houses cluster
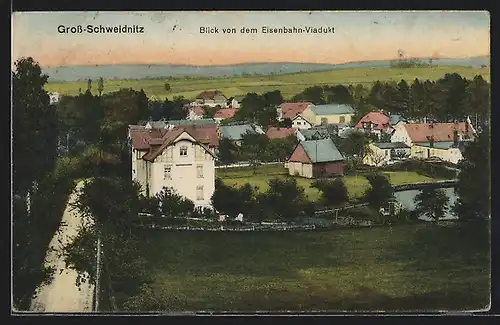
[[182, 154]]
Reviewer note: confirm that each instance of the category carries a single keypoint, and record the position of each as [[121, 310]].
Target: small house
[[224, 113], [236, 132], [382, 153], [329, 114], [274, 133], [316, 159], [211, 98], [300, 122], [291, 110], [375, 123], [196, 113]]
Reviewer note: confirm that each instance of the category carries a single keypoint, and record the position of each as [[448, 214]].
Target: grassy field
[[405, 267], [356, 185], [289, 85]]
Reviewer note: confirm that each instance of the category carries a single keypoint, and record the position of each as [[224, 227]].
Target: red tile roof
[[198, 111], [168, 138], [140, 136], [224, 113], [439, 131], [290, 110], [280, 133], [209, 94], [205, 134], [380, 120]]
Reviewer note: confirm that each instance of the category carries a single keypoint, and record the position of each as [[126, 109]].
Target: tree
[[380, 191], [285, 198], [285, 123], [209, 112], [228, 151], [173, 204], [89, 85], [338, 94], [230, 200], [474, 180], [253, 146], [313, 94], [355, 145], [167, 86], [478, 99], [251, 104], [34, 126], [100, 86], [431, 202], [272, 98], [109, 208], [333, 193]]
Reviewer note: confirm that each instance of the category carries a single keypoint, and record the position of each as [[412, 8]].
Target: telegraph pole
[[98, 274]]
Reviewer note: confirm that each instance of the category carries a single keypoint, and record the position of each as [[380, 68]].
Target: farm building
[[316, 159], [329, 114]]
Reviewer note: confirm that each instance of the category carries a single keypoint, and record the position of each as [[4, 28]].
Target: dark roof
[[391, 145], [394, 119], [236, 132], [315, 133], [321, 150]]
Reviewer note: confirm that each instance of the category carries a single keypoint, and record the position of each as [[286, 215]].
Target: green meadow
[[289, 85], [417, 267]]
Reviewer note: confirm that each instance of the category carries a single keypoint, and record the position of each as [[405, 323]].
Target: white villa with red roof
[[374, 122], [179, 158]]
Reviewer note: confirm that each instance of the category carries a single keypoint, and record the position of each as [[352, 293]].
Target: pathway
[[62, 294]]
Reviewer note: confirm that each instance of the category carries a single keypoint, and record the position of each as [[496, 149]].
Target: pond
[[406, 199]]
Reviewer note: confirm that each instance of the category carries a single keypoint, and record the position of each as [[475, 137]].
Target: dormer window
[[183, 151]]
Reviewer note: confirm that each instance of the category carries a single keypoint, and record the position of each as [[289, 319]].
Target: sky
[[175, 38]]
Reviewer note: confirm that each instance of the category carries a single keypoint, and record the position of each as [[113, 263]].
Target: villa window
[[324, 121], [167, 172], [199, 171], [342, 119], [199, 193], [183, 151]]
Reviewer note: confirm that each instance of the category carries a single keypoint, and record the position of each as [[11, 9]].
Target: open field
[[405, 267], [356, 185], [289, 85]]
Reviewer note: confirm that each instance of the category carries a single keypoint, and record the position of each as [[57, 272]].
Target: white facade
[[300, 169], [185, 166], [235, 104], [192, 114], [54, 97], [401, 135], [382, 156], [452, 155], [299, 122]]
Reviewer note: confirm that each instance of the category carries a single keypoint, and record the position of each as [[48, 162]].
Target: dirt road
[[62, 294]]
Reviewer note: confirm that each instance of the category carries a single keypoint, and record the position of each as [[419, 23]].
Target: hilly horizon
[[157, 71]]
